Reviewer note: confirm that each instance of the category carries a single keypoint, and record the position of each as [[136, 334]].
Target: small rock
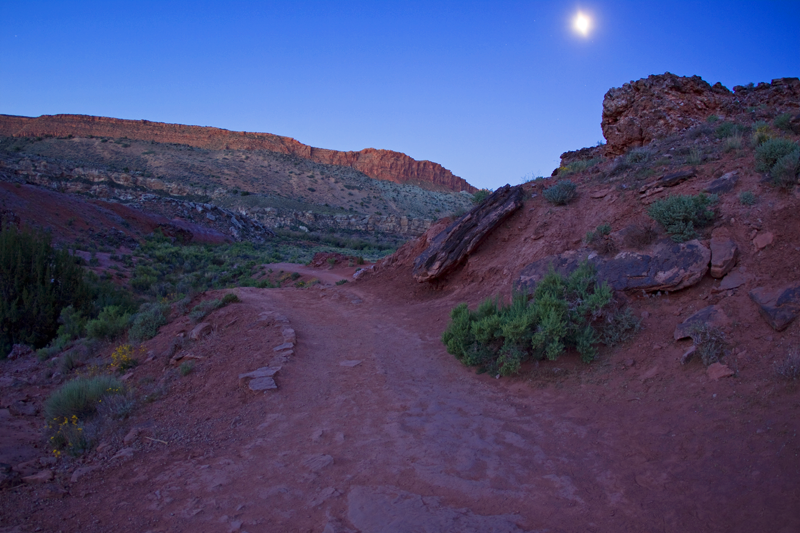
[[350, 363], [645, 315], [20, 350], [124, 452], [284, 346], [263, 372], [289, 336], [762, 240], [712, 316], [131, 436], [317, 462], [602, 193], [779, 307], [732, 281], [629, 362], [688, 354], [670, 180], [21, 408], [262, 384], [724, 254], [724, 183], [44, 476], [127, 376], [80, 472], [200, 330], [717, 371]]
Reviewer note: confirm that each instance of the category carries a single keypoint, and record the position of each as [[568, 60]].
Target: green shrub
[[230, 298], [36, 283], [80, 397], [561, 193], [709, 342], [747, 198], [110, 323], [781, 159], [680, 215], [186, 368], [695, 156], [732, 143], [564, 313], [578, 166], [728, 129], [480, 195], [203, 309], [638, 155], [146, 322], [760, 134], [73, 323], [783, 121]]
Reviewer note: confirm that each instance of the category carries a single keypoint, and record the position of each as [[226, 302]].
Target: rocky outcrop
[[656, 106], [668, 267], [450, 247], [779, 307], [709, 317], [643, 110], [724, 254], [379, 164]]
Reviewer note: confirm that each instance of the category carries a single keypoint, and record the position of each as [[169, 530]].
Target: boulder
[[200, 330], [711, 316], [724, 254], [450, 247], [780, 306], [674, 178], [762, 240], [667, 267], [724, 183]]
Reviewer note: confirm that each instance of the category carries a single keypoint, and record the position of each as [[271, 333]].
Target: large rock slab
[[667, 267], [450, 247], [780, 306]]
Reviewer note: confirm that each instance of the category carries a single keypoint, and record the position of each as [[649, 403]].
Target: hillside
[[329, 403], [379, 164]]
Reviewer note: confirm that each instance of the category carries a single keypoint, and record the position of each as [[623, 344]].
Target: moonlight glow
[[582, 24]]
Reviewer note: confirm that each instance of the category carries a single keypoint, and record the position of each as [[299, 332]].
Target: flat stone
[[724, 183], [44, 476], [80, 472], [674, 178], [284, 346], [716, 371], [124, 452], [131, 436], [779, 307], [200, 330], [762, 240], [712, 316], [350, 363], [317, 462], [733, 280], [724, 254], [289, 335], [667, 267], [262, 384], [602, 193], [263, 372]]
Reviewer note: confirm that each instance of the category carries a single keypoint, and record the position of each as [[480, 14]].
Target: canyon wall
[[379, 164]]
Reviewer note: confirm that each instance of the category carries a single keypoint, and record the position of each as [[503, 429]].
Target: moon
[[582, 24]]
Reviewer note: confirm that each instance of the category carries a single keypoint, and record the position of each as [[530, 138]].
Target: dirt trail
[[409, 440]]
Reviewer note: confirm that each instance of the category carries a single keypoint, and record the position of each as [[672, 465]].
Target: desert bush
[[598, 239], [680, 215], [564, 313], [36, 283], [638, 155], [80, 397], [709, 341], [203, 309], [146, 322], [771, 152], [728, 129], [732, 143], [747, 198], [579, 166], [695, 156], [789, 368], [230, 298], [618, 327], [186, 368], [124, 357], [761, 134], [561, 193], [783, 122], [109, 324], [480, 196]]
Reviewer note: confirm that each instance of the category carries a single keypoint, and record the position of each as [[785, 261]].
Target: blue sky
[[493, 91]]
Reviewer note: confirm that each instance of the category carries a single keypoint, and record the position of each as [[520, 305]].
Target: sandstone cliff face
[[656, 106], [379, 164]]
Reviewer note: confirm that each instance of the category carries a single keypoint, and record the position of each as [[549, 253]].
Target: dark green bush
[[729, 129], [564, 313], [36, 283], [80, 397], [146, 322], [561, 193], [638, 155], [579, 166], [680, 215], [112, 322], [771, 150], [783, 121], [480, 196]]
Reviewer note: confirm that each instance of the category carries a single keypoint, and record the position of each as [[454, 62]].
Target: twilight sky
[[494, 91]]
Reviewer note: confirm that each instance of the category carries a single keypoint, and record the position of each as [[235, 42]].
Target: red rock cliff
[[379, 164]]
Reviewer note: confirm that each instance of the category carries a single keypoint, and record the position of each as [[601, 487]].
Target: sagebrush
[[680, 215]]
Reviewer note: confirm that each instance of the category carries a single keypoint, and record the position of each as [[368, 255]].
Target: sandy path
[[408, 440]]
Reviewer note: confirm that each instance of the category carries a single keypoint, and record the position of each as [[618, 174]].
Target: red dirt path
[[410, 440]]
